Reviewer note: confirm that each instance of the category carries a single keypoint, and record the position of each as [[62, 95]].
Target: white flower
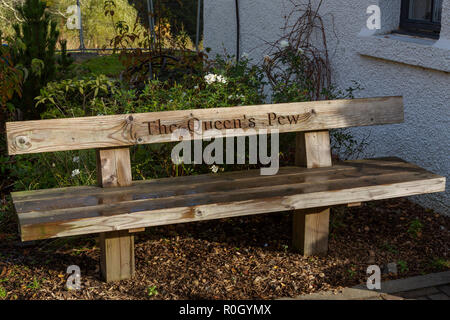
[[214, 168], [221, 79], [245, 55], [75, 172], [241, 96], [196, 87], [211, 78], [300, 50], [284, 44], [76, 159]]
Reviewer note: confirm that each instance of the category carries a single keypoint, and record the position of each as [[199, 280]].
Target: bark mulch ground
[[241, 258]]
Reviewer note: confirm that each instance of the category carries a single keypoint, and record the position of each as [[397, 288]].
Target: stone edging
[[360, 292]]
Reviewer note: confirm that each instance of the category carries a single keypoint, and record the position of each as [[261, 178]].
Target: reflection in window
[[422, 17], [428, 10], [420, 9]]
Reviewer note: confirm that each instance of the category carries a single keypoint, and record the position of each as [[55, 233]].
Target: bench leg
[[116, 255], [311, 226], [310, 231], [116, 247]]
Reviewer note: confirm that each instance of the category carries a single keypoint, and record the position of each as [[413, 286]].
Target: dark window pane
[[420, 9], [422, 17], [437, 10]]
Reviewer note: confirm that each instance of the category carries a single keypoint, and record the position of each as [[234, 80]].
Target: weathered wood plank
[[125, 130], [69, 192], [116, 259], [237, 194], [34, 196], [259, 199], [114, 167], [310, 226], [313, 149], [225, 210], [117, 247], [151, 190], [306, 183]]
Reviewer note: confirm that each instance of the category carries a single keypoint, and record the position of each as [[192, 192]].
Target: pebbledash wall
[[382, 63]]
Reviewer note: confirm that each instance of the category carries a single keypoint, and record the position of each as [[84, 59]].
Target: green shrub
[[11, 78], [94, 95], [108, 65], [64, 59], [38, 34], [88, 96], [225, 83]]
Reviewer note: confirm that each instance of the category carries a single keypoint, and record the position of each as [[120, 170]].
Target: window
[[421, 17]]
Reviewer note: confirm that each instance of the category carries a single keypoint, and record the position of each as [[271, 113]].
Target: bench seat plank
[[83, 210]]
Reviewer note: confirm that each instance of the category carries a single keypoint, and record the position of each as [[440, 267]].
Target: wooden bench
[[119, 206]]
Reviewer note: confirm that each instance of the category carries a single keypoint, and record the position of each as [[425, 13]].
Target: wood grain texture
[[386, 163], [114, 167], [80, 197], [310, 227], [352, 181], [117, 247], [313, 149], [116, 259], [124, 130]]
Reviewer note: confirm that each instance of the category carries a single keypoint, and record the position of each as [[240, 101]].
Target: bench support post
[[310, 226], [116, 247], [116, 255]]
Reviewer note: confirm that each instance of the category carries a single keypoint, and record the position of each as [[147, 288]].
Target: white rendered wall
[[418, 69]]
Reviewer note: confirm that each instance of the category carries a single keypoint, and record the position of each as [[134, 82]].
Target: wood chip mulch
[[241, 258]]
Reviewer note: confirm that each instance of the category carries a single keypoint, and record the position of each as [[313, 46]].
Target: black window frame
[[418, 27]]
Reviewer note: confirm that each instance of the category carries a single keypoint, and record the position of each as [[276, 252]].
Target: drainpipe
[[238, 30], [197, 39]]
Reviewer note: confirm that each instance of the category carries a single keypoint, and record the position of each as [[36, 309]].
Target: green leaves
[[11, 78], [37, 65], [93, 95], [88, 96], [34, 49]]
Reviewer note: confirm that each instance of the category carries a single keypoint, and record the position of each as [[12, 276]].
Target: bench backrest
[[116, 131]]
